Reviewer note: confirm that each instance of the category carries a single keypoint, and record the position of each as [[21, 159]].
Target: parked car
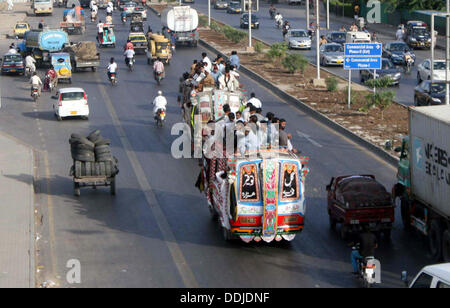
[[427, 93], [234, 7], [72, 102], [395, 51], [298, 38], [387, 69], [13, 64], [424, 70], [431, 276], [355, 201], [336, 37], [293, 2], [331, 54], [221, 5], [417, 34], [244, 21]]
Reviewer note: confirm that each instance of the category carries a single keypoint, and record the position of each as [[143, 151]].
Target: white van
[[42, 7], [358, 37], [432, 276]]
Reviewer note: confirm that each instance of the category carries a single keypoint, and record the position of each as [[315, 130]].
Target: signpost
[[358, 56]]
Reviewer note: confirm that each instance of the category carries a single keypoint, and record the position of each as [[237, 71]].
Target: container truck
[[40, 44], [182, 21], [423, 178]]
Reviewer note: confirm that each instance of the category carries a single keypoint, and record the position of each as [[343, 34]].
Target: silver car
[[331, 54], [298, 39]]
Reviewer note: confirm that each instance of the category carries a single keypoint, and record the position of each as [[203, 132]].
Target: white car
[[72, 102], [432, 276], [424, 70], [297, 38]]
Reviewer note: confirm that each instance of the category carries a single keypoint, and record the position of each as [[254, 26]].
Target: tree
[[412, 5]]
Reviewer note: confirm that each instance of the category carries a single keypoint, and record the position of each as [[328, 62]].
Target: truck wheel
[[113, 187], [446, 245], [435, 240]]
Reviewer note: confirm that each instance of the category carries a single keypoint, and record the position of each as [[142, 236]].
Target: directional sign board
[[359, 56]]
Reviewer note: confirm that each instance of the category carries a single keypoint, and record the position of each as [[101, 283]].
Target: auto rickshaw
[[62, 65], [20, 28], [109, 38], [158, 47]]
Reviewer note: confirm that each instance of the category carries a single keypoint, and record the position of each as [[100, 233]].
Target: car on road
[[20, 28], [424, 70], [417, 34], [395, 51], [387, 70], [336, 37], [431, 276], [129, 7], [221, 5], [244, 21], [123, 3], [188, 1], [234, 7], [139, 41], [142, 10], [84, 3], [13, 64], [71, 102], [295, 2], [428, 94], [331, 54], [298, 39]]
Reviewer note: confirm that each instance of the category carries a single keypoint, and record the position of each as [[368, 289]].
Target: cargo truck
[[182, 21], [423, 178], [40, 44]]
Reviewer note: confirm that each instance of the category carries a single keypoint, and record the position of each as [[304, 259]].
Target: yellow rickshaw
[[158, 47], [62, 65]]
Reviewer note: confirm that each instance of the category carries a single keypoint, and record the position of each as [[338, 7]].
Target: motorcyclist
[[123, 16], [108, 19], [128, 45], [158, 67], [367, 245], [35, 82], [109, 9], [94, 11], [278, 19], [311, 29], [286, 28], [53, 77], [30, 63], [159, 103], [129, 55], [112, 68], [272, 11]]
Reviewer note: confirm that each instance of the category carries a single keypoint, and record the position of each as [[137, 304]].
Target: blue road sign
[[363, 49], [361, 63]]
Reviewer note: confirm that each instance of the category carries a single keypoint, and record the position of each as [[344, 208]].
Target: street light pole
[[328, 14], [307, 13], [317, 39], [433, 38], [209, 13], [250, 24]]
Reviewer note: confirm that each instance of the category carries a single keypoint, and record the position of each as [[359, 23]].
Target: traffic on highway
[[159, 162]]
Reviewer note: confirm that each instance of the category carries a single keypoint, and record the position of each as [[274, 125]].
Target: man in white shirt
[[206, 60], [109, 10], [12, 50], [35, 82], [112, 68], [159, 102], [91, 4], [228, 82], [129, 55], [221, 178], [30, 62], [254, 101], [100, 30], [399, 33]]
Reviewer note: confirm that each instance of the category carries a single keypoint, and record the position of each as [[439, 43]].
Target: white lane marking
[[307, 137]]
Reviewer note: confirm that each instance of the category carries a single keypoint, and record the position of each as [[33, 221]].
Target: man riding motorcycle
[[272, 11], [278, 20], [129, 55], [367, 246], [30, 63], [159, 103], [286, 28], [112, 68], [36, 83], [52, 78], [158, 67]]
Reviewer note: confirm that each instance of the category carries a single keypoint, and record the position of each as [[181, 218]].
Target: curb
[[311, 112]]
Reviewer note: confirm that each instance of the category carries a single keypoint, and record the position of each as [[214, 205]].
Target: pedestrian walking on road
[[10, 5]]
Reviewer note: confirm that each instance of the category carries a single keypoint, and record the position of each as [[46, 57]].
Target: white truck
[[423, 178], [181, 21], [42, 7], [358, 37]]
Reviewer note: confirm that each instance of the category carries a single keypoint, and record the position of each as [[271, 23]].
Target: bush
[[203, 20], [233, 34], [277, 51], [332, 83], [295, 62], [215, 26], [259, 47], [383, 82], [381, 100]]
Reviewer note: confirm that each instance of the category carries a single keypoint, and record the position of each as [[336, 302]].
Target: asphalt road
[[157, 231], [296, 16]]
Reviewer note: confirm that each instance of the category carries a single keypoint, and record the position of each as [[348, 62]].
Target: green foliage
[[215, 26], [277, 51], [332, 83], [412, 5], [381, 100], [203, 20], [295, 62], [259, 47], [378, 83], [233, 34]]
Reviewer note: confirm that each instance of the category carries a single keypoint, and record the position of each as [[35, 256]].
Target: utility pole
[[209, 13], [433, 39], [307, 13], [317, 39], [250, 24], [328, 14]]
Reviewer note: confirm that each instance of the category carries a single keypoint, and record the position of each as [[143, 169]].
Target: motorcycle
[[124, 19], [130, 63], [113, 79], [409, 62], [160, 117], [28, 71], [35, 94], [93, 16], [49, 83], [158, 77], [366, 269]]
